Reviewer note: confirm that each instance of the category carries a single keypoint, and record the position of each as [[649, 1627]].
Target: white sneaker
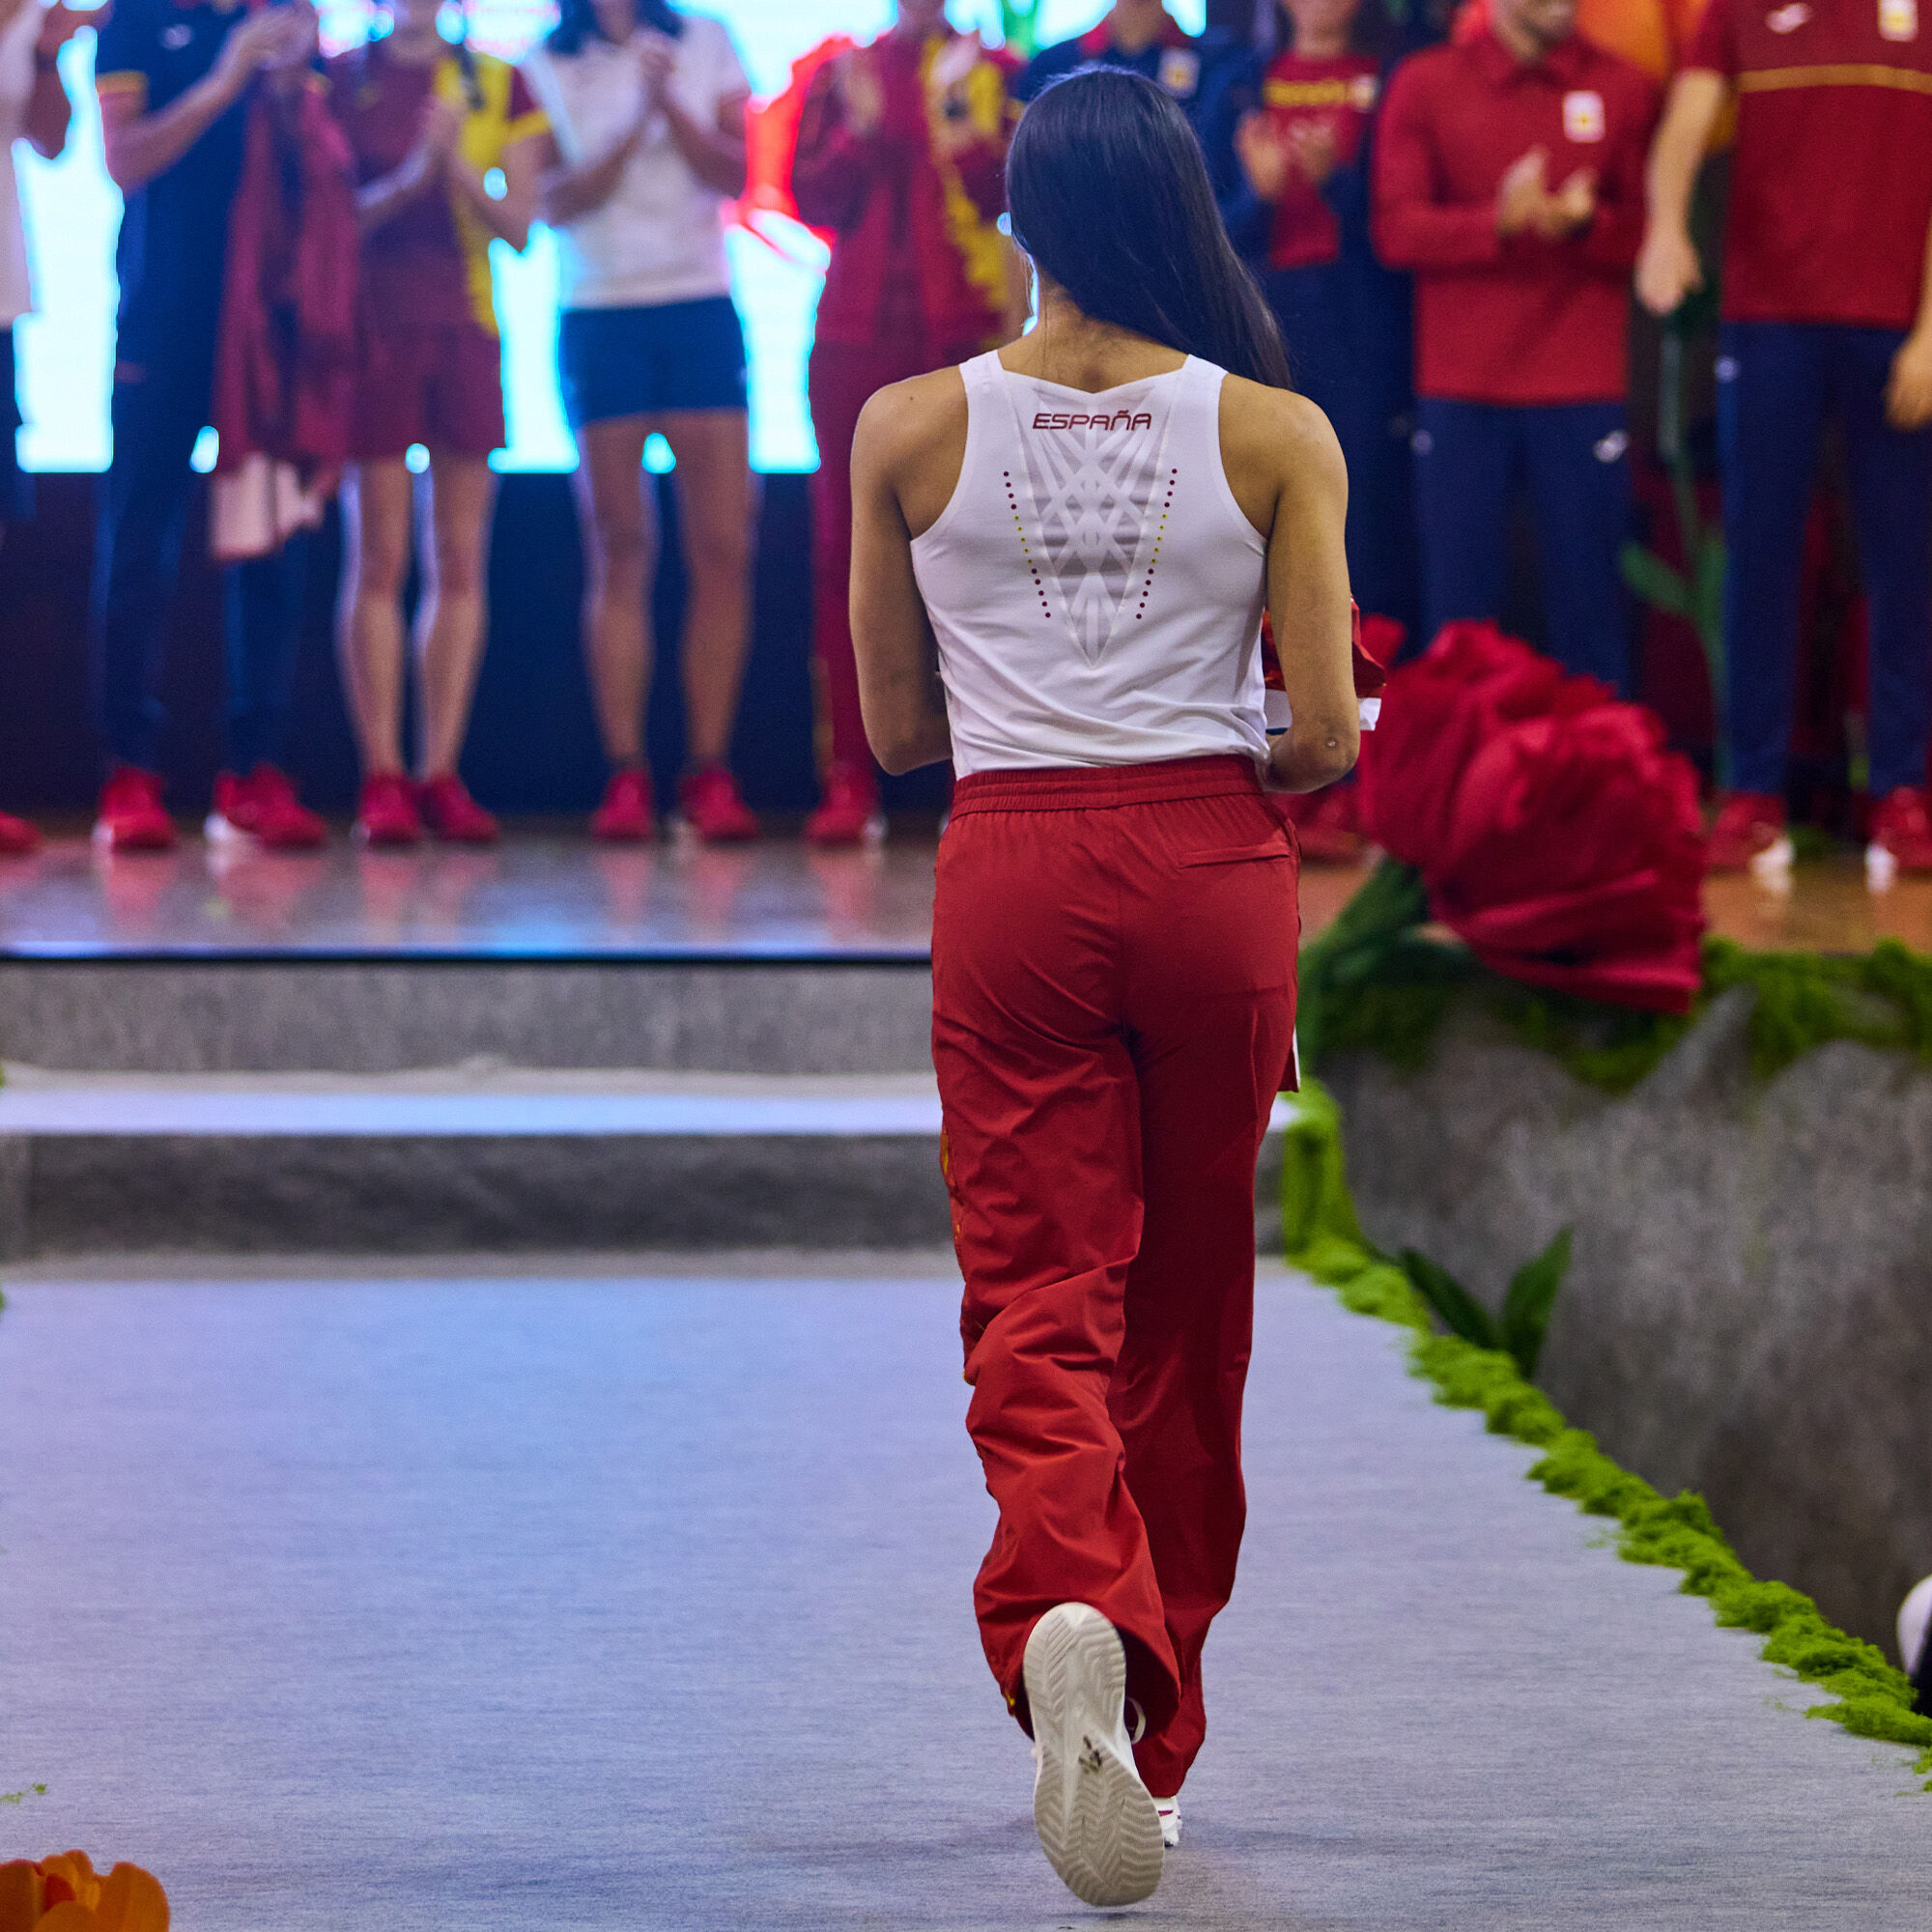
[[1096, 1821], [1168, 1812]]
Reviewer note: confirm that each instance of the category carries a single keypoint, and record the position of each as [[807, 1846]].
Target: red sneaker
[[708, 802], [17, 837], [1329, 827], [387, 814], [1748, 834], [264, 805], [848, 815], [1902, 836], [131, 817], [626, 816], [452, 815]]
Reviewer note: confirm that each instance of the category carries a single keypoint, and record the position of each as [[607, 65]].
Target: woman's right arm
[[565, 194], [899, 689]]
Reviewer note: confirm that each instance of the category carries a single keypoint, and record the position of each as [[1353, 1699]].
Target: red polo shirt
[[1831, 183], [1519, 319]]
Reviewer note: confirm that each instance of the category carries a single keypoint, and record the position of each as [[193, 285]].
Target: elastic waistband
[[1095, 787]]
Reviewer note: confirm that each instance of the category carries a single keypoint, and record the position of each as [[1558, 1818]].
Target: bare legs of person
[[445, 523], [618, 513]]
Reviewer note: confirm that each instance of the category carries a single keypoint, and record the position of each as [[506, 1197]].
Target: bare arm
[[50, 112], [141, 145], [714, 154], [508, 216], [899, 689], [1286, 470], [1908, 396], [1309, 601], [1667, 267], [385, 197], [565, 194]]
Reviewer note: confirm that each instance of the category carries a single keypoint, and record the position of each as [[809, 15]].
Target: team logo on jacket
[[1788, 20], [176, 37], [1180, 73], [1898, 19], [1583, 115], [1121, 420]]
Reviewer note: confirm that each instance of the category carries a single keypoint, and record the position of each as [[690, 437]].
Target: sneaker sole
[[384, 841], [1096, 1821], [106, 841], [686, 833], [869, 837]]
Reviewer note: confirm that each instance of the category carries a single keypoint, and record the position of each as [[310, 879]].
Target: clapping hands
[[1270, 155], [1525, 205]]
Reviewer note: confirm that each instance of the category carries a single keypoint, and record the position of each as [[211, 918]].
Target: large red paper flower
[[1554, 833]]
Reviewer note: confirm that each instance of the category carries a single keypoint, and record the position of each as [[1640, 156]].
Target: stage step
[[739, 1015], [476, 1157]]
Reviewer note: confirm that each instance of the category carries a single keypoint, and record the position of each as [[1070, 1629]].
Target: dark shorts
[[440, 386], [17, 487], [651, 362]]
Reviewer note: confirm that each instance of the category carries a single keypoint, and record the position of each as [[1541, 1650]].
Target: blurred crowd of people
[[1449, 209]]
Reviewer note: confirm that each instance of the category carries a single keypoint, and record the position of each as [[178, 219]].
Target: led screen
[[66, 349]]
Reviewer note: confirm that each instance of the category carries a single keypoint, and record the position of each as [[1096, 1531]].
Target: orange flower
[[65, 1893]]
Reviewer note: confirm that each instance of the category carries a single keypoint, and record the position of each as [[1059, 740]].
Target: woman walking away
[[647, 114], [1063, 551], [428, 124]]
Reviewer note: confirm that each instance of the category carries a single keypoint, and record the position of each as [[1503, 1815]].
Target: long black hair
[[1110, 196], [577, 19]]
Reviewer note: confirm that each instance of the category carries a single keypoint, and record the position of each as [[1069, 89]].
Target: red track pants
[[1113, 956], [843, 379]]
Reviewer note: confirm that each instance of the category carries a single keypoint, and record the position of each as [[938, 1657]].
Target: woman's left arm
[[1287, 472], [507, 217], [899, 689]]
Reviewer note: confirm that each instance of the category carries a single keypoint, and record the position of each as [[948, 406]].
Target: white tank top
[[1095, 589]]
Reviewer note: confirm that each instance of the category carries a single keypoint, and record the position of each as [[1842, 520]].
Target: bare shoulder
[[1257, 420], [912, 446], [1275, 445], [906, 421]]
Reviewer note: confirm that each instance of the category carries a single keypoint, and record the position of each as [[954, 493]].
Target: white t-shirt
[[17, 41], [660, 237]]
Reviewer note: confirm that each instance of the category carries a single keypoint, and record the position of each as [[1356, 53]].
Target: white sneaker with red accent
[[1096, 1819], [1168, 1812]]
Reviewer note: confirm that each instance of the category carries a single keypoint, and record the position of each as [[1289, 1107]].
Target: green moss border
[[1375, 985], [1324, 1239]]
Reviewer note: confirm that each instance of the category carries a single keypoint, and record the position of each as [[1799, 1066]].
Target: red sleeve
[[1412, 227], [832, 170], [1713, 46], [1614, 237]]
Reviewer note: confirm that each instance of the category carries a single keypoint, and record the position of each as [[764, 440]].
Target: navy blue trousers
[[1776, 382], [1345, 323], [1470, 459], [157, 413]]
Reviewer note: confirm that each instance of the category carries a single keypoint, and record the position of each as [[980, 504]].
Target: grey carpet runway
[[615, 1602]]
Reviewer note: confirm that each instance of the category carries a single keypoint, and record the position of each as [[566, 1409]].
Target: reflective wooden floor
[[543, 895]]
